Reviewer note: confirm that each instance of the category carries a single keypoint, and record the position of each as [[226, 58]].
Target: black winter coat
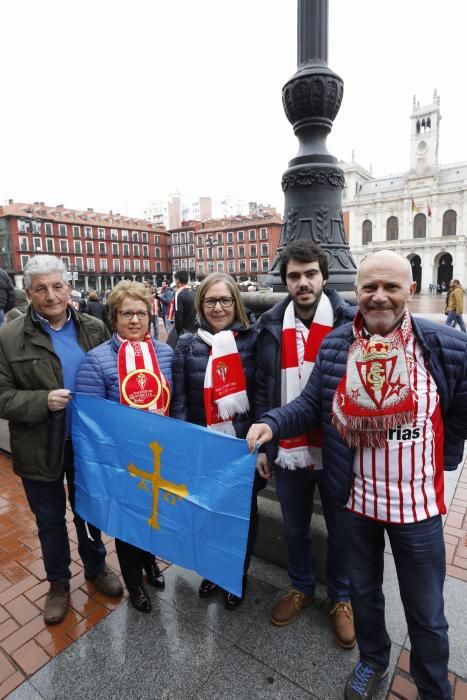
[[268, 376], [188, 371]]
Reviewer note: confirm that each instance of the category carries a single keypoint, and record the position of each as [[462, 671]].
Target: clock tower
[[424, 136]]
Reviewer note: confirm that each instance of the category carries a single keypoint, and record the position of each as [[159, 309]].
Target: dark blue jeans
[[453, 319], [47, 500], [419, 556], [295, 490]]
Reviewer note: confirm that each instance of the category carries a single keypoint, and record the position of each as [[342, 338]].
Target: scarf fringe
[[226, 428], [232, 404], [369, 431], [297, 458]]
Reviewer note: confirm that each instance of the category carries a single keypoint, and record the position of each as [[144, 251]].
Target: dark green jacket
[[29, 370]]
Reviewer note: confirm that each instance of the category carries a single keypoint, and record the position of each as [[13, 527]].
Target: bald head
[[384, 286], [389, 259]]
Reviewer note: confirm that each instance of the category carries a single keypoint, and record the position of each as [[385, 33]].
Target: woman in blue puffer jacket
[[107, 372], [202, 362]]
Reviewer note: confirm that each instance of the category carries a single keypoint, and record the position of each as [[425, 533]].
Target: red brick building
[[243, 246], [99, 249]]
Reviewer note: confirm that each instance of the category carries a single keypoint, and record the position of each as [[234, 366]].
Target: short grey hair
[[44, 265]]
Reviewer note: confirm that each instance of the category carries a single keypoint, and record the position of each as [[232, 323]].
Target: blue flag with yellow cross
[[171, 488]]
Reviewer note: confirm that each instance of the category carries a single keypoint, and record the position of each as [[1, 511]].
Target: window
[[49, 245], [102, 248], [182, 250], [200, 253], [157, 240], [136, 249], [77, 247], [241, 251], [90, 264], [37, 244], [184, 265], [392, 229], [126, 249], [174, 238], [36, 226], [66, 261], [231, 266], [253, 266], [191, 264], [230, 252], [182, 237], [191, 249], [220, 238], [126, 265], [115, 250], [419, 226], [79, 264], [264, 265], [113, 234], [89, 248], [134, 236], [87, 232], [145, 249], [242, 266], [230, 238], [253, 251], [449, 223], [240, 236], [220, 252], [22, 226], [158, 267], [64, 245], [210, 267], [199, 241], [48, 229], [76, 232], [62, 229], [157, 253], [263, 234], [200, 269], [101, 234], [24, 261], [176, 251], [136, 265], [189, 237], [252, 234], [220, 267], [144, 237], [103, 264], [367, 232], [124, 235], [146, 267], [23, 243], [264, 249], [116, 265]]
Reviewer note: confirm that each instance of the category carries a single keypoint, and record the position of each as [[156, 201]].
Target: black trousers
[[132, 560]]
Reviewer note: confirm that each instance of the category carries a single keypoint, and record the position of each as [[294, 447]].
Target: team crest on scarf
[[142, 385], [375, 393], [221, 370]]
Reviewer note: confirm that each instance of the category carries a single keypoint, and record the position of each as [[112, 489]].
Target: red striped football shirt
[[403, 482]]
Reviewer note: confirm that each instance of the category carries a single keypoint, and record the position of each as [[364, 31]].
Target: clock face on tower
[[422, 146]]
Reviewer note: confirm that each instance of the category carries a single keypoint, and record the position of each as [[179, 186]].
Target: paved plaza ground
[[191, 648]]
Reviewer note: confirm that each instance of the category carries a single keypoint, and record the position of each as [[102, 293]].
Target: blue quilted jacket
[[268, 374], [446, 353], [189, 369], [98, 374]]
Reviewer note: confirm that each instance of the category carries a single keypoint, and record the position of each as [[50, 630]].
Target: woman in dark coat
[[225, 331]]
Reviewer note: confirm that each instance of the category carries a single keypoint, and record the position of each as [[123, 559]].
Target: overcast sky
[[111, 104]]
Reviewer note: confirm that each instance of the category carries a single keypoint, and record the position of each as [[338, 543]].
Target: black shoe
[[231, 601], [207, 588], [155, 576], [139, 599], [362, 682]]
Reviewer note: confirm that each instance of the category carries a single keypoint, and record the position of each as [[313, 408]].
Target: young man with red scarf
[[390, 392], [289, 337]]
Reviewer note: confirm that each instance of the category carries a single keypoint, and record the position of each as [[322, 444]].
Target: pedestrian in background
[[7, 295], [455, 305]]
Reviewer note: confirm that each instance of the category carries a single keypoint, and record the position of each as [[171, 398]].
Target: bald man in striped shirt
[[390, 392]]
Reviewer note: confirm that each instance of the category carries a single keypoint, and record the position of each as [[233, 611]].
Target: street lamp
[[210, 243], [313, 182]]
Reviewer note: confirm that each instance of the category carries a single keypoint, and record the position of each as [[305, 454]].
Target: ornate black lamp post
[[313, 182], [210, 244]]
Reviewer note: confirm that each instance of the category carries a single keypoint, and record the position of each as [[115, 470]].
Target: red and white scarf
[[171, 309], [375, 393], [141, 383], [224, 382], [304, 450]]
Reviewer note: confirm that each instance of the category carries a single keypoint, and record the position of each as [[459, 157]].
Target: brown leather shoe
[[107, 582], [57, 601], [342, 621], [289, 607]]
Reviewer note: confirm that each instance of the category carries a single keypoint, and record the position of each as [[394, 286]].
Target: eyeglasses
[[211, 302], [128, 315]]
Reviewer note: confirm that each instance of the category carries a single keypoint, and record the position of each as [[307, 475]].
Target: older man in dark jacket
[[40, 354], [391, 394], [289, 337]]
